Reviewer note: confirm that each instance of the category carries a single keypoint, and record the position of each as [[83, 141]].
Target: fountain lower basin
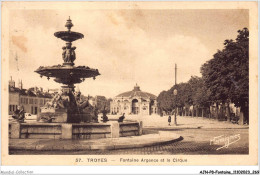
[[111, 129]]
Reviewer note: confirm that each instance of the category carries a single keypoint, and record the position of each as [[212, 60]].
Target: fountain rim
[[46, 70], [73, 35]]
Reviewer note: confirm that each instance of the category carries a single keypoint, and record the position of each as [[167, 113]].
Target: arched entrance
[[135, 107]]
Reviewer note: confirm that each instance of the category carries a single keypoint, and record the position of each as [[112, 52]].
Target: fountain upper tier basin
[[68, 36], [67, 74]]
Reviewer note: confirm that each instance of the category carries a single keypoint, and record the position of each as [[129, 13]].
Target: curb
[[98, 146], [199, 127]]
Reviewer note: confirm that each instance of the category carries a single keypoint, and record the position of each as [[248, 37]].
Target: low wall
[[130, 129], [73, 130], [91, 131], [36, 130]]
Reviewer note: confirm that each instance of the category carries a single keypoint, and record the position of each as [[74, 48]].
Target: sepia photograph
[[130, 83]]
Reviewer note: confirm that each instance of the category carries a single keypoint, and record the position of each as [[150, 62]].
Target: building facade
[[134, 102], [31, 99], [100, 101]]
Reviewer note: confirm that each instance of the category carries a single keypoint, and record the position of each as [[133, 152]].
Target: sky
[[126, 46]]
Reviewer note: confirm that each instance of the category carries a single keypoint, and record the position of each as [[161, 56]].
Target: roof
[[14, 89], [30, 93], [137, 92]]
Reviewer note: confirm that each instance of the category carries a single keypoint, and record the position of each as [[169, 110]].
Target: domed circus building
[[134, 102]]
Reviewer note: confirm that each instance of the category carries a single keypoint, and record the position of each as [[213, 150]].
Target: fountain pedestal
[[67, 89]]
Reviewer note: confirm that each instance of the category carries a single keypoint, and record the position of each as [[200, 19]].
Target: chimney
[[20, 84], [11, 82]]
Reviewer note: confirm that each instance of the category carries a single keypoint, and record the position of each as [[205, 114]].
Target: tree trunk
[[210, 113], [241, 117], [217, 111], [202, 113], [224, 112], [228, 113], [197, 112], [246, 114]]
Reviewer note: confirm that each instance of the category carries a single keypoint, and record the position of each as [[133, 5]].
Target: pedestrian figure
[[121, 119], [169, 120], [18, 114]]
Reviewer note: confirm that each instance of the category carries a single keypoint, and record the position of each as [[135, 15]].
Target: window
[[41, 101], [12, 108], [32, 110], [26, 100], [35, 110], [31, 101], [35, 101]]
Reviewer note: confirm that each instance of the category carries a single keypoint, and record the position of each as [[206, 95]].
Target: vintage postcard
[[129, 83]]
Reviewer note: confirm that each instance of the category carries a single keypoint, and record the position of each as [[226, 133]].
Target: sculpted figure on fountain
[[59, 101], [68, 53], [81, 104]]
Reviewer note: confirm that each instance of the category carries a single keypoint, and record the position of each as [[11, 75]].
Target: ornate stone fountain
[[67, 106], [64, 117]]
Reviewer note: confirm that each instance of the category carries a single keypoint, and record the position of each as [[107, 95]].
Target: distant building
[[134, 102], [31, 99], [100, 102], [14, 96], [51, 91]]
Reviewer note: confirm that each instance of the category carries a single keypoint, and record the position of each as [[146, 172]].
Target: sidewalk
[[94, 144], [183, 122]]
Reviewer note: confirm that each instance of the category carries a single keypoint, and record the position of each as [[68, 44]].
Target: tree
[[226, 76], [165, 102], [191, 93], [183, 99]]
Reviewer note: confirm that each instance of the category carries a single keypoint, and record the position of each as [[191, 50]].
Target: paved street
[[155, 121], [196, 141]]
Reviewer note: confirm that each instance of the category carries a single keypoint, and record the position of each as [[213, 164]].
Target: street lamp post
[[175, 95]]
